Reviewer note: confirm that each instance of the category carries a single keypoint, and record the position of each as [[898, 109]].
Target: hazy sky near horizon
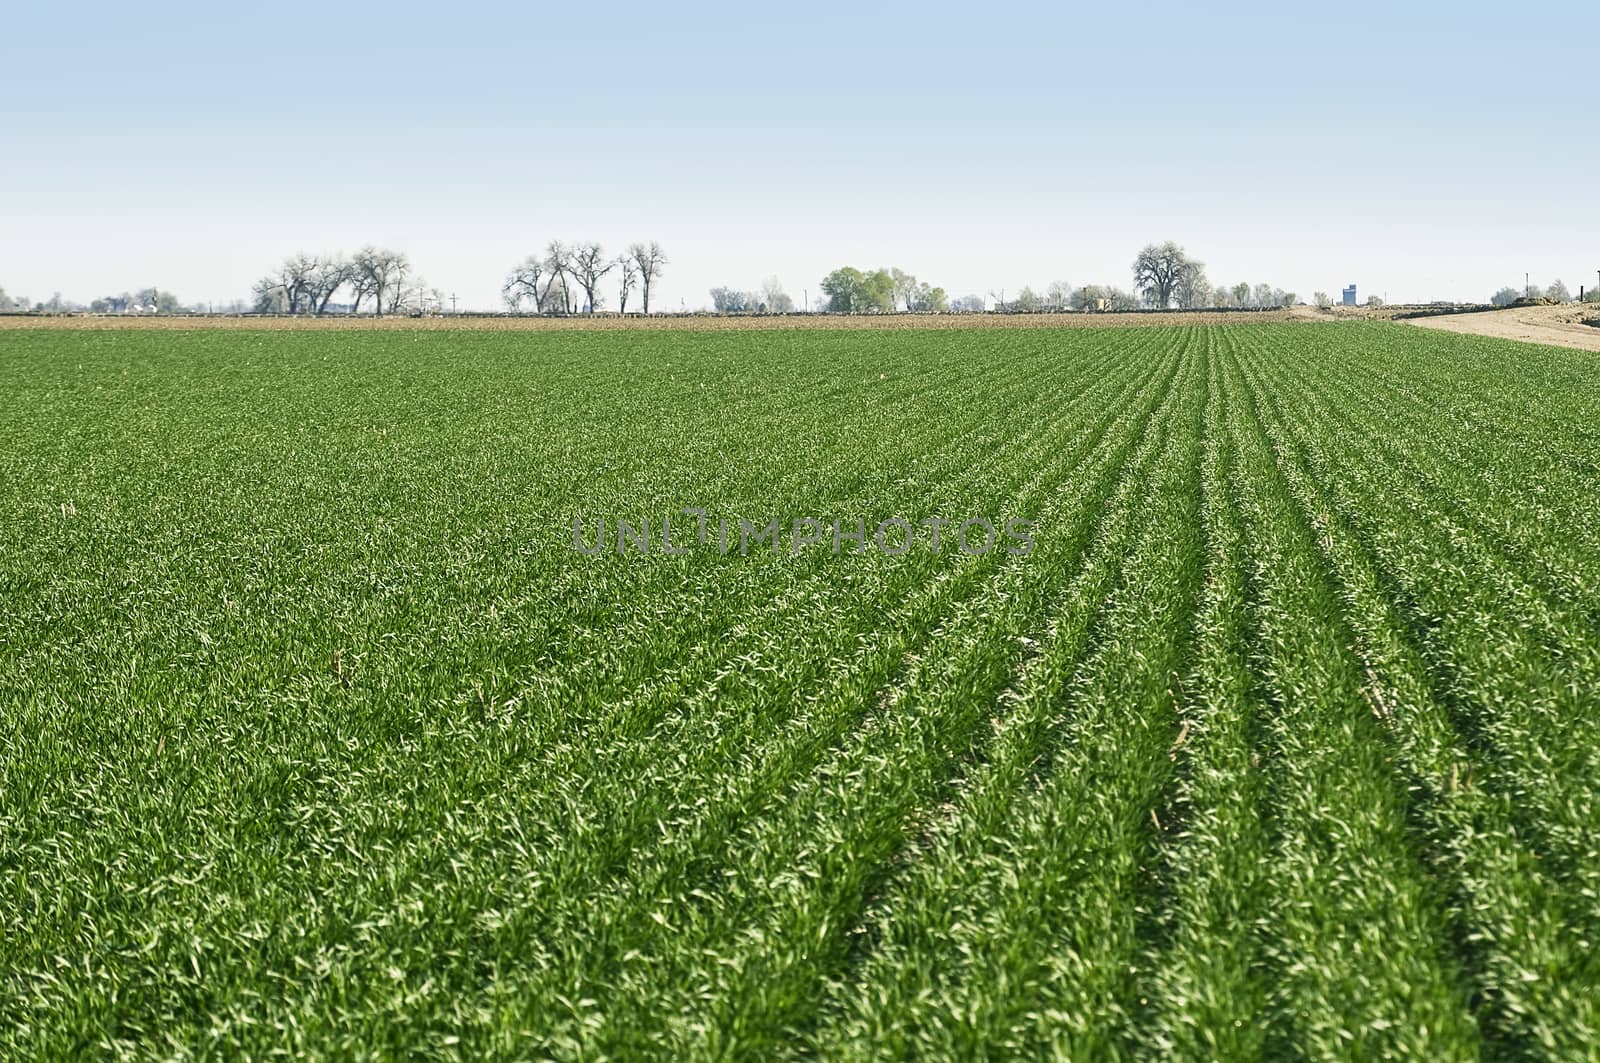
[[1420, 150]]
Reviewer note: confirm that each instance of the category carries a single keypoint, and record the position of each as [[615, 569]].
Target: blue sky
[[1423, 150]]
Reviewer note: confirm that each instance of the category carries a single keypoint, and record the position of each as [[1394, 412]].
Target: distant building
[[1350, 296]]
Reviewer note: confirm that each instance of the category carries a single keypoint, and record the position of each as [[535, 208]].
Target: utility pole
[[452, 302], [807, 293], [1527, 286]]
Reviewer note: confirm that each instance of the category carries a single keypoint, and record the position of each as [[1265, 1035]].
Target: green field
[[318, 734]]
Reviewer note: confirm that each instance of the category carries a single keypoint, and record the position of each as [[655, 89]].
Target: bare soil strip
[[1560, 326], [606, 322]]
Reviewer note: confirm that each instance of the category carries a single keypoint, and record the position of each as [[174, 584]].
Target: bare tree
[[382, 273], [557, 296], [1158, 270], [330, 274], [650, 260], [557, 264], [522, 284], [1059, 294], [394, 278], [774, 298], [299, 277], [404, 298], [627, 281], [1193, 290], [303, 284], [360, 284], [413, 296], [267, 296], [589, 266], [289, 290]]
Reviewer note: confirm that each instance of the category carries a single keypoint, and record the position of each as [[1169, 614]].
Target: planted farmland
[[342, 715]]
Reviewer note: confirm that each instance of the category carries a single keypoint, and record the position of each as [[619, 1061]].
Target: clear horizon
[[1435, 153]]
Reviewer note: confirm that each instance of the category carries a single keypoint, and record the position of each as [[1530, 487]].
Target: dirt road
[[660, 322], [1561, 326]]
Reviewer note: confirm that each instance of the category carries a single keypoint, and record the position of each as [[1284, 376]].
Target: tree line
[[379, 278], [846, 290], [1554, 291], [566, 278], [145, 300], [1164, 277], [771, 299], [569, 278]]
